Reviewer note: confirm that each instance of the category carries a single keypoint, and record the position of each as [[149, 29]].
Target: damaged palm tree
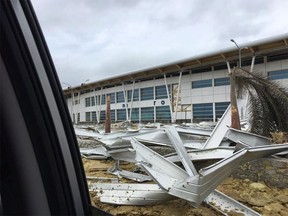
[[267, 101], [235, 119]]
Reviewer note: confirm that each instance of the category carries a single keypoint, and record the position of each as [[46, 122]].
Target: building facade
[[190, 90]]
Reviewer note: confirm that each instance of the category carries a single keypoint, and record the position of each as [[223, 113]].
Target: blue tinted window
[[163, 113], [147, 113], [202, 83], [112, 115], [135, 95], [94, 116], [220, 108], [87, 102], [87, 116], [97, 99], [129, 95], [112, 98], [120, 97], [161, 92], [203, 112], [222, 81], [279, 74], [135, 114], [103, 101], [147, 94], [121, 115], [102, 116], [92, 101]]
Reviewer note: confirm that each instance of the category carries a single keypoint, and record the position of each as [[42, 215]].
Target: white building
[[198, 87]]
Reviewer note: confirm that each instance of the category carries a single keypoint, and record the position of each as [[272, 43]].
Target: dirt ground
[[257, 195]]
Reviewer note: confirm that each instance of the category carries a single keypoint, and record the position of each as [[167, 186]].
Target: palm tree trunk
[[235, 119], [107, 118]]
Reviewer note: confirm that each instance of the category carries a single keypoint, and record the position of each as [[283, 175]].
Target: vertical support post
[[95, 104], [154, 101], [99, 108], [252, 63], [72, 105], [154, 113], [77, 111], [177, 97], [132, 98], [125, 101], [213, 91], [228, 66], [107, 116], [169, 99]]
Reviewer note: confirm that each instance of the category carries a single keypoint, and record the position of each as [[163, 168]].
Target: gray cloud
[[93, 39]]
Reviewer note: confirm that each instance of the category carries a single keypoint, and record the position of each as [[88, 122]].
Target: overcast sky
[[96, 39]]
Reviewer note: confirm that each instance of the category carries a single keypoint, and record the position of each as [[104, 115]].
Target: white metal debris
[[130, 194]]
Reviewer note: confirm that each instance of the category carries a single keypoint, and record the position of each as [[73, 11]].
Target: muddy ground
[[257, 195]]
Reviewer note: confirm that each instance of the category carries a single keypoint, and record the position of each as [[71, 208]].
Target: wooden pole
[[107, 116]]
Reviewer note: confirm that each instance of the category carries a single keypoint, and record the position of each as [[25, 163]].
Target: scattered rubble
[[239, 189], [175, 176]]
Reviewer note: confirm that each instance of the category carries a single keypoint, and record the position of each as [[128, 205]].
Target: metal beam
[[168, 96], [116, 170], [219, 131], [130, 194], [226, 204], [223, 56], [180, 149]]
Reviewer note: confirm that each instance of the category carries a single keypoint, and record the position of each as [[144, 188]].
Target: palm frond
[[268, 102]]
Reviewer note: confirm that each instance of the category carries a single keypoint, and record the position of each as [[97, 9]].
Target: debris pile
[[174, 175]]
